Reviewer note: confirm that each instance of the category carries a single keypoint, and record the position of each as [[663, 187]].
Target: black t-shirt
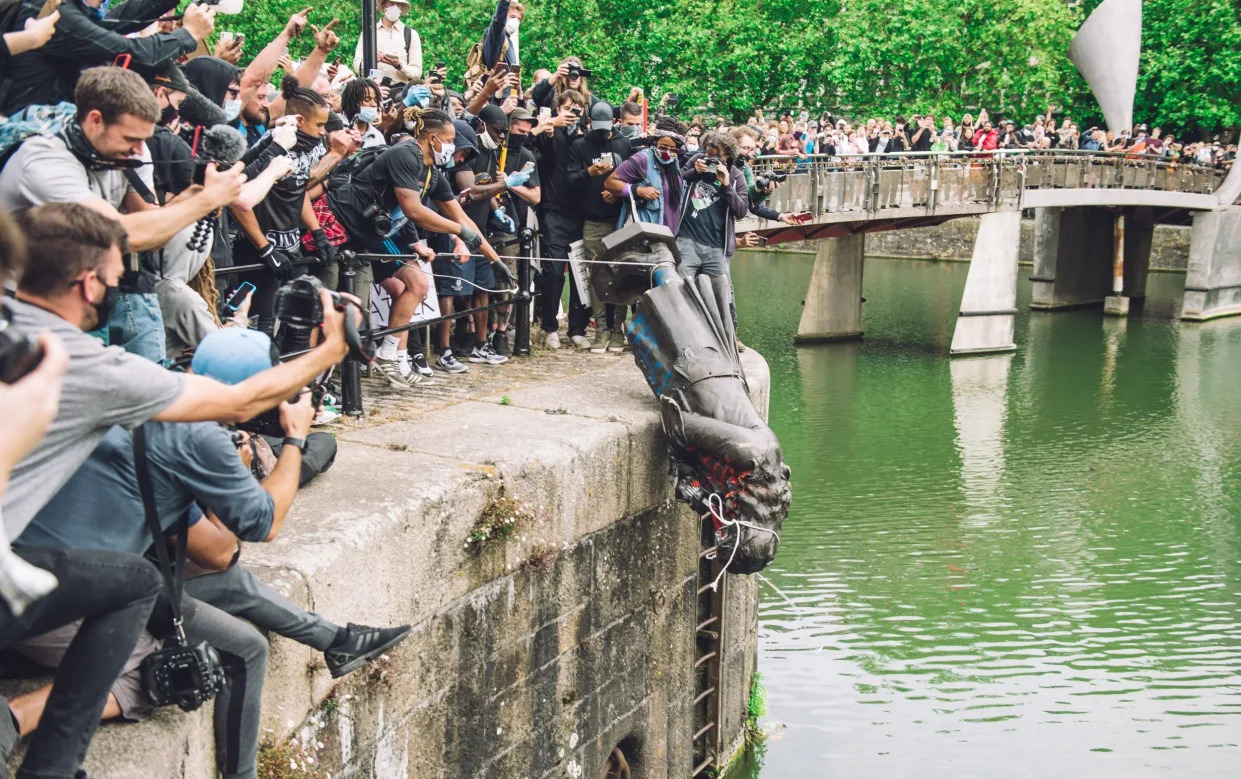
[[704, 219], [402, 167], [924, 141], [280, 213], [171, 166], [484, 166]]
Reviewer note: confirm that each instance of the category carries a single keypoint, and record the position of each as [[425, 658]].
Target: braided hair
[[420, 121], [299, 99]]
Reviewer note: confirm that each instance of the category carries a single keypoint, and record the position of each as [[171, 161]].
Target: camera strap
[[174, 572]]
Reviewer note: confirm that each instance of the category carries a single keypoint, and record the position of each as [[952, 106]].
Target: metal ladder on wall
[[708, 638]]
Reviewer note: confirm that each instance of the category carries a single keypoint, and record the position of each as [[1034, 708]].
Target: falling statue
[[727, 462]]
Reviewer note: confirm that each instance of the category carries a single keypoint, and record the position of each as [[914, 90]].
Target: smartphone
[[515, 70], [48, 8], [441, 65], [803, 217], [374, 74], [237, 298], [501, 67], [545, 114]]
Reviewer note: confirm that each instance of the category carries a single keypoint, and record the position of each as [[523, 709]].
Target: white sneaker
[[420, 364], [486, 355], [397, 372], [326, 414], [449, 363], [552, 340], [580, 341]]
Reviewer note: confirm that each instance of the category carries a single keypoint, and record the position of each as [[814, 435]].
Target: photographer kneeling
[[102, 507]]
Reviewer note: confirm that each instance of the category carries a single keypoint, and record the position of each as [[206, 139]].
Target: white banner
[[381, 301], [579, 270]]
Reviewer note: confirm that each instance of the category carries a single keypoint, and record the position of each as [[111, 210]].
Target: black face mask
[[599, 136], [517, 140], [306, 142], [78, 144], [105, 307], [168, 115]]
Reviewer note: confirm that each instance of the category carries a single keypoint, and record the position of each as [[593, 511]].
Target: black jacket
[[588, 188], [553, 163], [493, 39], [47, 75]]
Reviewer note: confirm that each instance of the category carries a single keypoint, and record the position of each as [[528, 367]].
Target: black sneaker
[[362, 645], [421, 366], [499, 344]]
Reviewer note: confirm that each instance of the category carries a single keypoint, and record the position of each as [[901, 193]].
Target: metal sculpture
[[1106, 50], [726, 461]]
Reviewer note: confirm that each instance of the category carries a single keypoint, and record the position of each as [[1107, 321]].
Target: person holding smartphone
[[397, 46]]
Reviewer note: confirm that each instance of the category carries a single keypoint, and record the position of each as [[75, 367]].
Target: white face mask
[[443, 157], [512, 25], [232, 109], [485, 139], [392, 13]]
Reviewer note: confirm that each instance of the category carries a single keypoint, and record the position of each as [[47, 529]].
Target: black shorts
[[452, 278], [483, 275], [384, 270]]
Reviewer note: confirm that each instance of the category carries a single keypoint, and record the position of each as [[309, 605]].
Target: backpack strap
[[409, 38]]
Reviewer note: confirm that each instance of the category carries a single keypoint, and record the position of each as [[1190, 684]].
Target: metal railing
[[840, 188]]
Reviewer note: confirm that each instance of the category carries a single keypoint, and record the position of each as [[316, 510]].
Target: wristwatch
[[300, 443]]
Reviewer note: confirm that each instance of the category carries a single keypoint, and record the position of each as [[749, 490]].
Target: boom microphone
[[198, 111], [221, 144]]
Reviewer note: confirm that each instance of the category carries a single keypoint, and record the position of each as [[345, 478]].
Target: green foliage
[[858, 58], [500, 519]]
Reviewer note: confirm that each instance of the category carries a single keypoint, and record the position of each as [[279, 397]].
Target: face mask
[[665, 156], [772, 137], [486, 140], [517, 140], [392, 13], [367, 114], [105, 307], [512, 25], [599, 136], [691, 146], [167, 116], [306, 142], [443, 157], [627, 130], [232, 109]]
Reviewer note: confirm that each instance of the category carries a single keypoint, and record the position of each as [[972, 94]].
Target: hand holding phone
[[240, 296]]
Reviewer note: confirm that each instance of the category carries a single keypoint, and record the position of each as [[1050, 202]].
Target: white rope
[[715, 505]]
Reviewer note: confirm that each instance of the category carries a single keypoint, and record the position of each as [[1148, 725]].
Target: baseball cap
[[492, 116], [601, 116], [520, 115], [233, 354], [168, 76]]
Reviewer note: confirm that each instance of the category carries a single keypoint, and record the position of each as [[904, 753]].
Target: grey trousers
[[243, 651], [699, 260], [237, 591]]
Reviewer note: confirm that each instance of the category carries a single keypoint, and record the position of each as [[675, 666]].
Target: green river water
[[1016, 566]]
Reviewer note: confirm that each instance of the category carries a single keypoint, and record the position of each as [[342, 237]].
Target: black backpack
[[344, 173]]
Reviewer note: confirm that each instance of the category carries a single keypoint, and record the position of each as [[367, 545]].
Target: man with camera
[[43, 589], [759, 187], [91, 161], [560, 219], [48, 75], [717, 198], [103, 507]]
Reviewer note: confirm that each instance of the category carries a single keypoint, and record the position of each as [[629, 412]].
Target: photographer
[[592, 160], [560, 218], [717, 197], [69, 285], [101, 507], [48, 75], [758, 190], [570, 75], [111, 593]]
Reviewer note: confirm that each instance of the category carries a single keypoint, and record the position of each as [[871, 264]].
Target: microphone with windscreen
[[222, 146]]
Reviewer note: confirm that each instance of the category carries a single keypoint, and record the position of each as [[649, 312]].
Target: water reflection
[[1024, 565]]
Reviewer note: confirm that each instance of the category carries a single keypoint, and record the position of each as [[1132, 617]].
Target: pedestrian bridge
[[1095, 214]]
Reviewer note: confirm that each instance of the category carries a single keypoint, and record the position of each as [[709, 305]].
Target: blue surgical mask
[[232, 109], [367, 114]]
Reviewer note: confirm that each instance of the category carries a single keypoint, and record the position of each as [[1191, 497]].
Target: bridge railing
[[838, 187]]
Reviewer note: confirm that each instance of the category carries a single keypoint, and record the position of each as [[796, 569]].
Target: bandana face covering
[[665, 156]]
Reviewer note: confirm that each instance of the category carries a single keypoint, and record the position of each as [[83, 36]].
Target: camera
[[770, 179], [19, 353], [187, 676], [711, 162], [379, 218], [577, 71]]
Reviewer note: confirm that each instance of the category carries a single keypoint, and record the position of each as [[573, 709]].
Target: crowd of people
[[157, 199], [803, 136]]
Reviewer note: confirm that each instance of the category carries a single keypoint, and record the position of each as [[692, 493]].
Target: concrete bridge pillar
[[1213, 281], [833, 306], [989, 303], [1072, 257]]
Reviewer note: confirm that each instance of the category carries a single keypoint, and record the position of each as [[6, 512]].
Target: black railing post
[[350, 370], [521, 344]]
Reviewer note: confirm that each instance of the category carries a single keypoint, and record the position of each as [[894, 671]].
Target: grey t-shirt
[[43, 170], [104, 386], [100, 507]]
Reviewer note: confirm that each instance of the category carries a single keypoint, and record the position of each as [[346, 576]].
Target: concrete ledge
[[535, 657]]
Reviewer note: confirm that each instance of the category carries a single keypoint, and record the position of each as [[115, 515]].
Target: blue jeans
[[137, 326]]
